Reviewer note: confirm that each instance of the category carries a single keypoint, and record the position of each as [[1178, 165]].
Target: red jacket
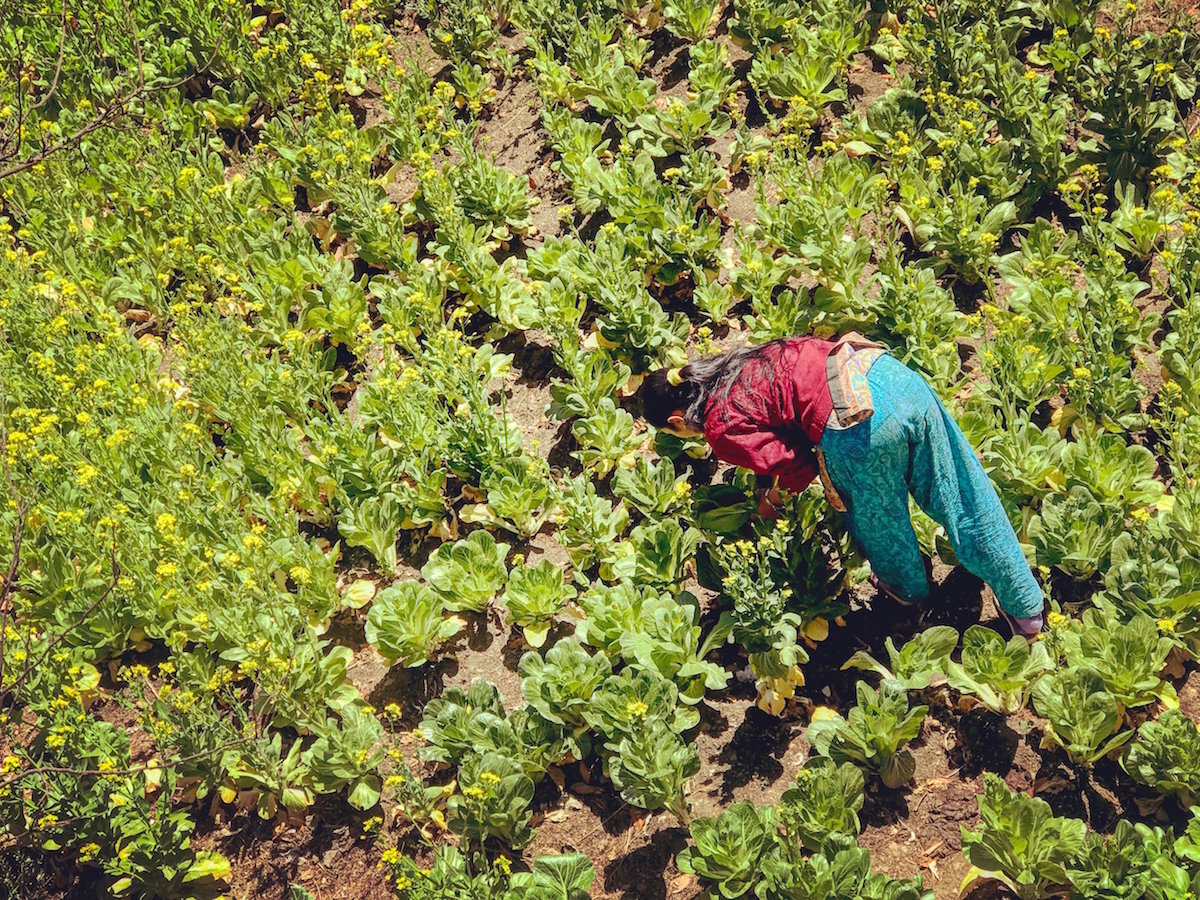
[[775, 412]]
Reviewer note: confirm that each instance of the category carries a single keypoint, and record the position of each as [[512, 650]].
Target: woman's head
[[676, 400], [667, 395]]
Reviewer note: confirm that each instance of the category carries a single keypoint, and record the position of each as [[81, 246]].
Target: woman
[[876, 432]]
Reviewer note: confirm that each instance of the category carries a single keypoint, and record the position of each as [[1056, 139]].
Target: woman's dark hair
[[701, 381]]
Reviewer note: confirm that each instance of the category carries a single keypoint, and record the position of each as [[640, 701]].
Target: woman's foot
[[1026, 628], [887, 591]]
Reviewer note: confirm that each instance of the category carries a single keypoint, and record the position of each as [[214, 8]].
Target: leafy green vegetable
[[626, 701], [560, 687], [1111, 469], [1020, 843], [874, 733], [1135, 861], [1074, 532], [347, 755], [373, 523], [656, 552], [468, 572], [406, 625], [1081, 714], [564, 876], [1001, 675], [517, 497], [846, 873], [534, 596], [721, 508], [917, 663], [1129, 656], [651, 769], [655, 490], [728, 849], [1166, 756], [668, 642], [454, 722], [493, 800], [821, 806], [611, 610]]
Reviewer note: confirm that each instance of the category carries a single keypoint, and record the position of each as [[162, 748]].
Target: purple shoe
[[1026, 628]]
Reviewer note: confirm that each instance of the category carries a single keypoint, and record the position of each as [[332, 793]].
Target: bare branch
[[110, 114], [131, 770], [62, 50]]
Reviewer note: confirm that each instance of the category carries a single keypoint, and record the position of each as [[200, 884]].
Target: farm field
[[338, 563]]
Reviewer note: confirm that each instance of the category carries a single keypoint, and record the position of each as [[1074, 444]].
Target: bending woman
[[876, 432]]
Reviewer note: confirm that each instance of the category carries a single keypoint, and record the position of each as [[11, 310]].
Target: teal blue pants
[[912, 445]]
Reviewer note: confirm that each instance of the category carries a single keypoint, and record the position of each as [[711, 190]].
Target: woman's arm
[[765, 451]]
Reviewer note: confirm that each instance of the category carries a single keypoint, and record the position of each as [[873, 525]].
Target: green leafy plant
[[406, 623], [820, 808], [845, 873], [1000, 674], [1129, 656], [690, 19], [1020, 844], [917, 664], [1081, 714], [1113, 471], [874, 733], [459, 723], [628, 700], [517, 498], [268, 778], [560, 687], [1166, 756], [668, 641], [374, 522], [1074, 532], [727, 850], [722, 508], [469, 572], [651, 769], [655, 489], [534, 596], [589, 525], [1136, 860], [348, 755], [493, 800], [656, 553], [562, 876]]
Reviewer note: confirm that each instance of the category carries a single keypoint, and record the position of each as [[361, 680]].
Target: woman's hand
[[769, 503]]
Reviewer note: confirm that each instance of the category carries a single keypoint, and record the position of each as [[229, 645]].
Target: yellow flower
[[1056, 620]]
